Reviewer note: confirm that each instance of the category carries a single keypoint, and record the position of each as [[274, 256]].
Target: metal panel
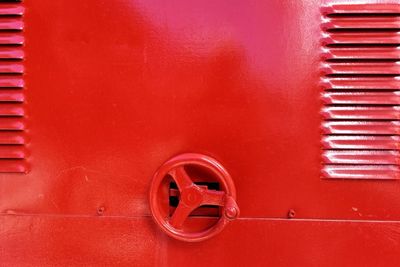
[[101, 116], [75, 241], [115, 88]]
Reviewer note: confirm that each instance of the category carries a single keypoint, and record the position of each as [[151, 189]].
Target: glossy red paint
[[113, 89]]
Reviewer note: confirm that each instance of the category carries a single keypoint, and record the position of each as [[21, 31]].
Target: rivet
[[231, 213], [100, 210], [291, 214]]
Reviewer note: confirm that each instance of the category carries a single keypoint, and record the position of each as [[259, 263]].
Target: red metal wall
[[115, 88]]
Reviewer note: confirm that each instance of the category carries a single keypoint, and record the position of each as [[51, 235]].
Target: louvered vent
[[12, 124], [361, 91]]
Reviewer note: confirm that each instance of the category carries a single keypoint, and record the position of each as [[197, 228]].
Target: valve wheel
[[192, 196]]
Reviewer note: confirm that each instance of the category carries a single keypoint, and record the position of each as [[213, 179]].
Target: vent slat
[[12, 96], [361, 127], [13, 166], [361, 142], [360, 157], [12, 110], [11, 24], [357, 68], [361, 98], [12, 152], [15, 124], [365, 22], [11, 81], [12, 67], [11, 53], [385, 172], [361, 113], [357, 53], [11, 38], [391, 83], [361, 38], [11, 9], [12, 138]]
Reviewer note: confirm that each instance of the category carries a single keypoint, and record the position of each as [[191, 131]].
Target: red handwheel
[[192, 196]]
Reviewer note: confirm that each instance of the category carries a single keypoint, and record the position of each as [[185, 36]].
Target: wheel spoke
[[180, 215], [181, 178], [213, 197]]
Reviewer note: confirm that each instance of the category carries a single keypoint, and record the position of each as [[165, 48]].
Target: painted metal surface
[[113, 89]]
